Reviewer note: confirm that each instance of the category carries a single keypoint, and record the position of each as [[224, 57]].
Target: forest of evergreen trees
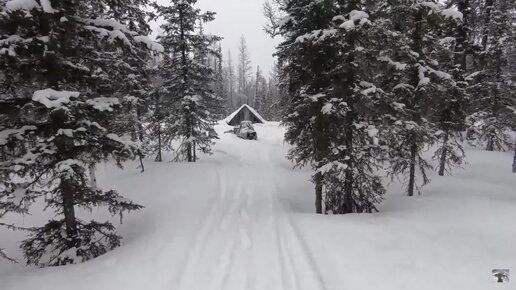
[[371, 85], [363, 88]]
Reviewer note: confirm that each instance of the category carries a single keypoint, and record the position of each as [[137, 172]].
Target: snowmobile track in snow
[[246, 240]]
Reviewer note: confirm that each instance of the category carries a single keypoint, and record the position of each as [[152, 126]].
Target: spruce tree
[[187, 79], [304, 71], [450, 113], [62, 64], [416, 84], [336, 111], [220, 87], [160, 133], [260, 92], [135, 90]]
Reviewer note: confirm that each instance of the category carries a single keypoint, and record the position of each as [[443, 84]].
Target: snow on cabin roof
[[253, 111]]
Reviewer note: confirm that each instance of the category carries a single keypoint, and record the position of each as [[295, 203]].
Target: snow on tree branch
[[7, 134], [51, 98], [103, 103], [152, 45]]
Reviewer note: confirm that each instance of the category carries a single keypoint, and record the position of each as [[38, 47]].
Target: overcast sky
[[237, 17]]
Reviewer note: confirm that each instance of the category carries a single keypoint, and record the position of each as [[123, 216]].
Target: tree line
[[372, 85]]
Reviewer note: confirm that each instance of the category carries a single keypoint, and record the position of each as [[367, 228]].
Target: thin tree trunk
[[347, 205], [184, 68], [194, 153], [417, 37], [67, 193], [189, 152], [139, 125], [444, 153], [320, 143], [318, 193], [142, 167], [490, 142], [189, 155], [412, 172], [159, 156], [514, 158]]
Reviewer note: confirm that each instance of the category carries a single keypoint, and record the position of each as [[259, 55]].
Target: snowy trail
[[247, 240]]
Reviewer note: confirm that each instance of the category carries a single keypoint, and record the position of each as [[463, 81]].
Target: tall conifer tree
[[336, 111], [62, 62], [188, 78]]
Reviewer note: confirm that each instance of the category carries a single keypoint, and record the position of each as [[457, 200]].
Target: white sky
[[237, 17]]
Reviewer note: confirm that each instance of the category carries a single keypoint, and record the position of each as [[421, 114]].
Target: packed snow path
[[242, 219], [246, 239]]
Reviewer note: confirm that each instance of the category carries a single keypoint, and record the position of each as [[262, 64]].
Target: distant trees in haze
[[245, 85]]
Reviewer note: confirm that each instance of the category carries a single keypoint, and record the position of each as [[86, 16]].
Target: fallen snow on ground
[[242, 219]]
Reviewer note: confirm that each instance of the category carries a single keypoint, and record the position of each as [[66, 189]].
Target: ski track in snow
[[247, 241]]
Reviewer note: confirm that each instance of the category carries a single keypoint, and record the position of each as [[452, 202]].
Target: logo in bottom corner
[[500, 275]]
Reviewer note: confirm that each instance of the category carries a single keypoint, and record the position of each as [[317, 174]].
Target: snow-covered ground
[[243, 219]]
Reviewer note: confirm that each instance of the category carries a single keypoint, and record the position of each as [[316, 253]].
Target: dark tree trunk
[[184, 71], [347, 206], [67, 191], [514, 159], [159, 157], [139, 125], [417, 37], [189, 155], [490, 142], [348, 80], [444, 153], [318, 193], [142, 167], [194, 151], [321, 144], [412, 172], [189, 144]]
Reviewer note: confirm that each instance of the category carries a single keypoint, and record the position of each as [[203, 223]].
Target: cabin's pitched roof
[[235, 113]]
